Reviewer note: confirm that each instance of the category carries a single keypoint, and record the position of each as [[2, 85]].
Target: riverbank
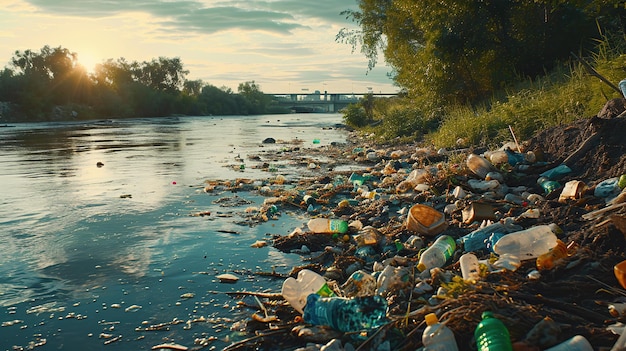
[[576, 297]]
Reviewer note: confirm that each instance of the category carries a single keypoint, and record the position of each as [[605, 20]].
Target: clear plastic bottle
[[477, 240], [346, 314], [295, 291], [546, 260], [491, 334], [328, 226], [576, 343], [527, 244], [437, 336], [437, 254]]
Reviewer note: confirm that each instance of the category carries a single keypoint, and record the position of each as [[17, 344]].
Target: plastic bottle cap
[[431, 319]]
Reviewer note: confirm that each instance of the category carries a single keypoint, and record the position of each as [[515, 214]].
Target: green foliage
[[38, 83], [354, 116], [563, 96], [456, 51], [404, 120]]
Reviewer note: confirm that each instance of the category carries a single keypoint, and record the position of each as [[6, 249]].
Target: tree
[[457, 51], [255, 100]]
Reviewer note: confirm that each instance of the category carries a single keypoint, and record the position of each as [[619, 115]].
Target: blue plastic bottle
[[346, 314], [491, 334]]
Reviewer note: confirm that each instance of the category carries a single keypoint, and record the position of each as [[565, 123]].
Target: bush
[[354, 115]]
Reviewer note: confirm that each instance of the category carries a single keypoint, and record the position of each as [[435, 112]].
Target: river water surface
[[91, 255]]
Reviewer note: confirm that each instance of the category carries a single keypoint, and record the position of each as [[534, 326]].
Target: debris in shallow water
[[45, 308], [170, 347], [11, 323], [227, 278], [259, 243], [132, 308]]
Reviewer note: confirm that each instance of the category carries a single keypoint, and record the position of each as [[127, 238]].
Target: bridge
[[321, 102]]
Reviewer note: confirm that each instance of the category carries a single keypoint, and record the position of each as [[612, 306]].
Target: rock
[[269, 141]]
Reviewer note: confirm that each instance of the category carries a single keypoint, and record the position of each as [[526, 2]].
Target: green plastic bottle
[[491, 334]]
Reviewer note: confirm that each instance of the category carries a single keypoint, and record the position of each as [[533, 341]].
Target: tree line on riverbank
[[51, 84], [471, 69]]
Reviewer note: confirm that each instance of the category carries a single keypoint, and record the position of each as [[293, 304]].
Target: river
[[97, 237]]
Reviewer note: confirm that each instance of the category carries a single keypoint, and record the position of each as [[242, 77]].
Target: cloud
[[278, 17]]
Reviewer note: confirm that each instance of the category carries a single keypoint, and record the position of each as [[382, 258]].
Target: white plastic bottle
[[437, 254], [295, 291], [470, 269], [437, 336], [527, 244], [577, 343], [328, 226]]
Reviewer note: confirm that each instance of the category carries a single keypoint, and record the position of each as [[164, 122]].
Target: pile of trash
[[423, 244]]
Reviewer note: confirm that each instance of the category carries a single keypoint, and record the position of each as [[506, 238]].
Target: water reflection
[[82, 236]]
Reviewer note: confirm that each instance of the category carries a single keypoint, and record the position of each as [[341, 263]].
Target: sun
[[88, 61]]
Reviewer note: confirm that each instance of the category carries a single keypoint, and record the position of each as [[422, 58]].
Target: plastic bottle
[[491, 334], [576, 343], [437, 336], [546, 260], [346, 314], [437, 254], [328, 226], [527, 244], [295, 291], [476, 241], [478, 165], [470, 269], [622, 87]]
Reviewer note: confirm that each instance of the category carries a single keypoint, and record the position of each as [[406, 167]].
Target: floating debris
[[132, 308], [170, 347], [227, 278]]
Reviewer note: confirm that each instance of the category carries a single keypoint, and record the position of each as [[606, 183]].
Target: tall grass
[[566, 94]]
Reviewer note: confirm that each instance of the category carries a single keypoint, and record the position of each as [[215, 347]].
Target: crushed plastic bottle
[[346, 314], [437, 336], [528, 243], [437, 254], [492, 335]]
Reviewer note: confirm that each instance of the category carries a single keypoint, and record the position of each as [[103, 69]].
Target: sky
[[285, 46]]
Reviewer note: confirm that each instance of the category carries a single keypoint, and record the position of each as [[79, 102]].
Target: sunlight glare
[[88, 61]]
